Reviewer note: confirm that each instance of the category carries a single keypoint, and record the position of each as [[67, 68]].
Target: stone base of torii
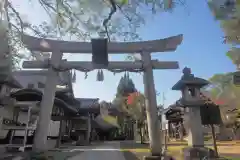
[[147, 65]]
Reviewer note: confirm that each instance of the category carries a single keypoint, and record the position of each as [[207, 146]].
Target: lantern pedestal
[[158, 158], [196, 149]]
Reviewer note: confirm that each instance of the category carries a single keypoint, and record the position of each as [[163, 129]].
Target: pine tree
[[125, 86]]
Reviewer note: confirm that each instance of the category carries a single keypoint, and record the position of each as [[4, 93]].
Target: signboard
[[236, 78], [165, 125], [100, 53]]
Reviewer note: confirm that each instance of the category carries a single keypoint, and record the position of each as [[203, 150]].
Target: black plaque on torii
[[100, 53]]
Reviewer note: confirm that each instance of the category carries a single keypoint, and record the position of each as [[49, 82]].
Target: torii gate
[[59, 47]]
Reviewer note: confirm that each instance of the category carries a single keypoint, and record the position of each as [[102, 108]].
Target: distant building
[[34, 79], [37, 78], [86, 113]]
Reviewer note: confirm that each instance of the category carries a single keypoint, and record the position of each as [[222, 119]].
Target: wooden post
[[181, 129], [59, 134], [1, 122], [214, 140], [15, 119], [169, 130], [27, 125], [69, 127], [89, 126], [165, 140]]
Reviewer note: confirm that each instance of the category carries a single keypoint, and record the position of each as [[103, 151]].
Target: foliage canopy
[[82, 19]]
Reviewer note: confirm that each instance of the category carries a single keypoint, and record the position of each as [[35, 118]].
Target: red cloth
[[219, 102]]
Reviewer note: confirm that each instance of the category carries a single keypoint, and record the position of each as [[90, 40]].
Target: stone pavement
[[128, 148], [115, 150], [108, 150], [97, 151]]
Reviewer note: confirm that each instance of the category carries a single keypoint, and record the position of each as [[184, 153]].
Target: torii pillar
[[151, 107], [59, 47]]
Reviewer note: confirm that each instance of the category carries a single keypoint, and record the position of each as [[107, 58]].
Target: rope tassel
[[100, 76]]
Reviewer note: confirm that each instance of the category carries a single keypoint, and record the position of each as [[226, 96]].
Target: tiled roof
[[30, 72], [88, 102], [10, 81], [62, 78], [34, 94]]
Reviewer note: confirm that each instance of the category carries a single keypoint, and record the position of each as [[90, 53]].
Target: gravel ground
[[63, 153], [128, 145], [125, 150]]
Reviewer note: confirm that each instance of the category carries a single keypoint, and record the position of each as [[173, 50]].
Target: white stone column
[[195, 132], [194, 122], [40, 139], [151, 107]]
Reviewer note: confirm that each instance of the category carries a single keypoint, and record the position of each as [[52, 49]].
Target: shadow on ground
[[138, 151], [231, 156], [132, 145], [208, 144], [131, 155], [55, 155]]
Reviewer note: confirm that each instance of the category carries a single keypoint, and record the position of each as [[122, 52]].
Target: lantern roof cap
[[188, 79]]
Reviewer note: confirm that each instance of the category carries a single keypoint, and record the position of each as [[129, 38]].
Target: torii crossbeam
[[145, 48], [47, 45]]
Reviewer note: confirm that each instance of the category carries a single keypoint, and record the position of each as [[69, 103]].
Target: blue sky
[[202, 50]]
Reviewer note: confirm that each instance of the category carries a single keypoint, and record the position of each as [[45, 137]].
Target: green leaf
[[124, 2]]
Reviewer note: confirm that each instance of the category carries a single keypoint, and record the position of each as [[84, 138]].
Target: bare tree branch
[[17, 14]]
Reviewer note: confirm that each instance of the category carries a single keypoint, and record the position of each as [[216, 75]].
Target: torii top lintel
[[47, 45]]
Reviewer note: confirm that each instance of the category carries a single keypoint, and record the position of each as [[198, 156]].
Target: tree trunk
[[141, 135], [238, 133], [181, 132], [234, 134]]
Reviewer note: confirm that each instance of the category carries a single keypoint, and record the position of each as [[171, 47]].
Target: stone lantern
[[190, 87]]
